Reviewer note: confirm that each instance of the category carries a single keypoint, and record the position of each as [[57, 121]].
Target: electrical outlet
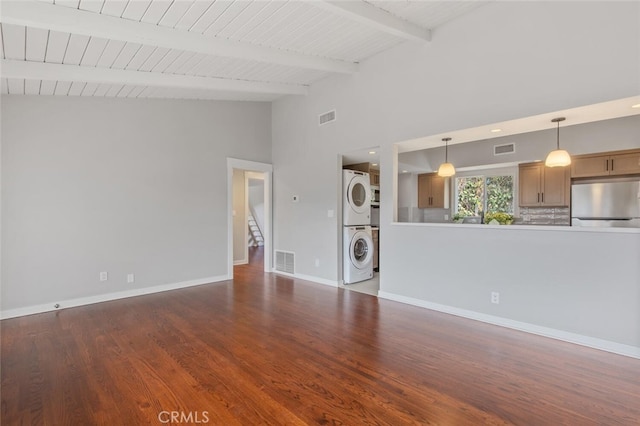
[[130, 278], [104, 276], [317, 262], [495, 297]]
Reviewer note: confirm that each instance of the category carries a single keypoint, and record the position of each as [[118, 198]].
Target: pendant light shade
[[446, 169], [558, 157]]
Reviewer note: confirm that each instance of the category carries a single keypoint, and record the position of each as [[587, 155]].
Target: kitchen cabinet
[[589, 166], [374, 174], [617, 163], [431, 191], [541, 186]]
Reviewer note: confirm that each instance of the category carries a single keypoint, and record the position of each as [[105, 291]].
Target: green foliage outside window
[[478, 194], [470, 195], [500, 194]]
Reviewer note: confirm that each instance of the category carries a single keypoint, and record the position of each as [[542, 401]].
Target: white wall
[[117, 185], [505, 60], [586, 283]]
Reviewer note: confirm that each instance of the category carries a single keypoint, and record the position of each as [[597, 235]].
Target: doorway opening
[[249, 215], [356, 166]]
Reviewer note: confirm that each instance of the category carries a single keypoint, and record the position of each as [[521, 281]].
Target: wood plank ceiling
[[198, 49]]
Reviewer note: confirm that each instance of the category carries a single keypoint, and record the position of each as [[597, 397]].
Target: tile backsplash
[[544, 216], [435, 215], [417, 215], [528, 215]]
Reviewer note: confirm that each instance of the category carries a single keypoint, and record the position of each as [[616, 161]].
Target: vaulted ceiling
[[201, 49]]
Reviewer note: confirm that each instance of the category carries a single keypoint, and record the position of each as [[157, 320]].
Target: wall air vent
[[509, 148], [285, 261], [327, 117]]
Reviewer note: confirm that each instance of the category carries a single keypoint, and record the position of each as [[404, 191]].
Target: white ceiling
[[579, 115], [574, 116], [585, 114], [201, 49]]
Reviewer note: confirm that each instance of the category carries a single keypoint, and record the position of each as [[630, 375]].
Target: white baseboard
[[70, 303], [579, 339], [308, 278], [240, 262]]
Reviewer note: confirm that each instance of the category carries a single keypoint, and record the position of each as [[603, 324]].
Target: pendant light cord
[[557, 121], [446, 149]]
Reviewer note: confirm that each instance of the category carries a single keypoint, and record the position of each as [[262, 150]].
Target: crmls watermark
[[182, 417]]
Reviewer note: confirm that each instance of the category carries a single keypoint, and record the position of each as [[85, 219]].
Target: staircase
[[255, 234]]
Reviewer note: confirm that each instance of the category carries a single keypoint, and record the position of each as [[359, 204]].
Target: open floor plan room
[[241, 212]]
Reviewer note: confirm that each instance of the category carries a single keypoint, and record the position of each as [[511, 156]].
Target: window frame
[[485, 173]]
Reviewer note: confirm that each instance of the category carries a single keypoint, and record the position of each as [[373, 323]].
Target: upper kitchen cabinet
[[544, 186], [374, 174], [431, 191], [606, 164], [625, 164]]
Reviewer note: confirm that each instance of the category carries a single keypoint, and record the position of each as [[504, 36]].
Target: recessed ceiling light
[[372, 152], [404, 171], [496, 130], [635, 106]]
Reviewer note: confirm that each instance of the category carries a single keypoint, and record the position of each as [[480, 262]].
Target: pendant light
[[559, 157], [446, 169]]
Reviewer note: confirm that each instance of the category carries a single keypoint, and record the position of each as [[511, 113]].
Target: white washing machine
[[358, 254], [356, 196]]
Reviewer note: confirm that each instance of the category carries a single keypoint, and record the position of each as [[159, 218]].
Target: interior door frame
[[252, 166], [247, 208]]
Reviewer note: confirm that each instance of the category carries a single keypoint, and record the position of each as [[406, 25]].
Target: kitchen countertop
[[535, 228]]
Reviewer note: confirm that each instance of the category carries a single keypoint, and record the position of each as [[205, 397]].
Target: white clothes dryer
[[356, 200], [358, 254]]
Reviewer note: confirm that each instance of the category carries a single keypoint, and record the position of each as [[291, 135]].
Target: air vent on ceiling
[[327, 117], [509, 148], [285, 261]]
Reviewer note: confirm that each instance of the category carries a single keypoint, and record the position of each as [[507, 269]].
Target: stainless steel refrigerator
[[606, 203]]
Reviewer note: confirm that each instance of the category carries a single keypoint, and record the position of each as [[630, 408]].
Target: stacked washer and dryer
[[358, 243]]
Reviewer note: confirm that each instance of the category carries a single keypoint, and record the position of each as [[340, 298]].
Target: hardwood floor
[[267, 349]]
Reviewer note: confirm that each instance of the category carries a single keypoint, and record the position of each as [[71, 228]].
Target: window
[[499, 190], [469, 195], [488, 194]]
